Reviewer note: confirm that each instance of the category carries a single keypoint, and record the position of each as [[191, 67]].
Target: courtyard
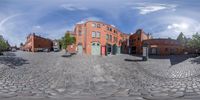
[[52, 76]]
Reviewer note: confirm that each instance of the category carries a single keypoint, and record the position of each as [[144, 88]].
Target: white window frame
[[93, 34], [94, 25], [98, 34]]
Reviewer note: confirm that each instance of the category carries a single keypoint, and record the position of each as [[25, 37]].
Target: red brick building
[[156, 46], [98, 38], [164, 46], [36, 43], [135, 41], [125, 44]]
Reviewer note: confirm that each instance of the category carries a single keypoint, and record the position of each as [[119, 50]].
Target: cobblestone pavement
[[25, 75]]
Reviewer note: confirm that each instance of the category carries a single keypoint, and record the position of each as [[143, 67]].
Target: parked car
[[13, 49], [46, 50], [55, 49]]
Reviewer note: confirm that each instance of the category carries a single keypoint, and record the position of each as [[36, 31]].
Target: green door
[[119, 50], [96, 48], [114, 49]]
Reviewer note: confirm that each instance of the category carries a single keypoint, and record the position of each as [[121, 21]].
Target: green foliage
[[67, 40], [3, 45], [195, 41], [182, 39]]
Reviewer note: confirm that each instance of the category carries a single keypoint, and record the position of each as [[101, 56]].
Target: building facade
[[56, 45], [164, 47], [156, 46], [36, 43], [98, 38], [125, 44], [135, 41]]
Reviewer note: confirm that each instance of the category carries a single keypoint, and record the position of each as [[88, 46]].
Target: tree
[[182, 39], [21, 44], [67, 40], [195, 41], [3, 44]]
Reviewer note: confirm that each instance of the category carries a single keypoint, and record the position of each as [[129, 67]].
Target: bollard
[[145, 52]]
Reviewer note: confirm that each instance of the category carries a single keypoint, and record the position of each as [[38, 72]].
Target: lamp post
[[145, 52]]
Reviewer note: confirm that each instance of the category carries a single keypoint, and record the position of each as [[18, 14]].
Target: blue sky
[[51, 18]]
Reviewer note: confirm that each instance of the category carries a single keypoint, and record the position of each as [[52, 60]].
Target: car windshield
[[99, 50]]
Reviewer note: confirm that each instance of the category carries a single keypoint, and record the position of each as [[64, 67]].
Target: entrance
[[108, 49], [133, 50], [114, 51], [80, 49], [96, 48]]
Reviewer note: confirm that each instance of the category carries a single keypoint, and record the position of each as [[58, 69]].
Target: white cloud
[[6, 19], [113, 25], [178, 26], [37, 27], [89, 19], [72, 7], [181, 24], [146, 8], [170, 26]]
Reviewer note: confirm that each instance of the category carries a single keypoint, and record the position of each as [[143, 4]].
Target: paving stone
[[189, 90], [160, 94], [61, 90], [178, 94], [197, 90], [182, 89], [36, 77], [5, 91], [7, 95], [174, 90]]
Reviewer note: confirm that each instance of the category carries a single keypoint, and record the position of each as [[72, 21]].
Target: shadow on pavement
[[174, 59], [68, 54], [12, 62], [9, 54], [133, 60], [196, 60]]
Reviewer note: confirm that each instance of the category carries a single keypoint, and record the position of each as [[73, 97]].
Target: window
[[166, 49], [93, 34], [111, 29], [98, 26], [107, 37], [138, 38], [115, 31], [98, 34], [116, 39], [94, 25], [79, 33], [108, 28], [110, 37]]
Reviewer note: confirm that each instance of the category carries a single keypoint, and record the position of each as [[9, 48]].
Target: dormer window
[[98, 26], [94, 25]]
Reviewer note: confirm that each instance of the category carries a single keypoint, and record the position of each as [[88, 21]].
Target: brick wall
[[35, 43], [84, 35]]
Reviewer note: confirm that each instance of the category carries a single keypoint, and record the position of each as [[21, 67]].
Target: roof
[[39, 36], [101, 23], [162, 41]]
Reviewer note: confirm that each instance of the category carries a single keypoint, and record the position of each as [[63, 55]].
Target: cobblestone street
[[33, 76]]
